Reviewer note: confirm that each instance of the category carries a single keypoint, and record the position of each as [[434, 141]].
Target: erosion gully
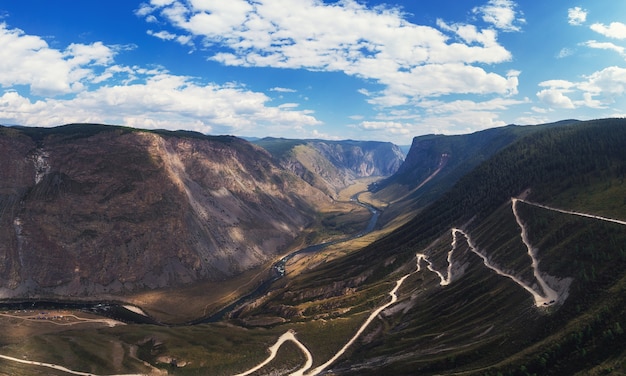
[[118, 311]]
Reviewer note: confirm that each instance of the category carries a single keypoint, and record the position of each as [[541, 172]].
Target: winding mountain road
[[58, 367], [618, 221], [546, 298], [287, 336], [394, 298]]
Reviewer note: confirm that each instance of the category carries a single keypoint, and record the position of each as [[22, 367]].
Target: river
[[117, 311], [278, 269]]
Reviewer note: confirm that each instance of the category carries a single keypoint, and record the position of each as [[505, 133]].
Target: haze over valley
[[312, 187]]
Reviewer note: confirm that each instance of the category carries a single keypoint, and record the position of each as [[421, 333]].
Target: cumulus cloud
[[608, 83], [555, 98], [161, 100], [29, 60], [82, 83], [616, 30], [595, 91], [576, 16], [502, 14], [376, 44]]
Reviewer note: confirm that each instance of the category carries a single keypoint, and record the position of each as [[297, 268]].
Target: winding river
[[118, 311], [279, 267]]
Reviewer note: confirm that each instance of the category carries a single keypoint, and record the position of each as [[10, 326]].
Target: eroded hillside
[[333, 165], [517, 269], [93, 209]]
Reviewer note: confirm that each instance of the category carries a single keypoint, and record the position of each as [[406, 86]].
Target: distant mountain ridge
[[517, 268], [435, 162], [333, 165]]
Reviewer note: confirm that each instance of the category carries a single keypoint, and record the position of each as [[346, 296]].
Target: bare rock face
[[362, 158], [333, 165], [90, 209]]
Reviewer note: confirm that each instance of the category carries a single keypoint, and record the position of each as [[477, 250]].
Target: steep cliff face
[[362, 158], [441, 160], [334, 165], [90, 209], [436, 162]]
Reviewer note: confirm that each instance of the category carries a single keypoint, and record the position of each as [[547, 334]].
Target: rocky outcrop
[[441, 160], [333, 165], [362, 158], [88, 209]]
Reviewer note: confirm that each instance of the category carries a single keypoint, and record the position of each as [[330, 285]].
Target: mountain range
[[495, 253]]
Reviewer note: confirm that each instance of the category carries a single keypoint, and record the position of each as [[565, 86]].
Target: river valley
[[546, 296]]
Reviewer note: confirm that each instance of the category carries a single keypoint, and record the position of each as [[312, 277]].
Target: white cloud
[[502, 14], [459, 123], [96, 54], [437, 116], [161, 100], [594, 91], [283, 90], [289, 105], [387, 126], [442, 79], [576, 16], [589, 101], [557, 84], [133, 96], [604, 46], [608, 83], [464, 106], [28, 60], [376, 44], [565, 52], [531, 120], [184, 40], [555, 98], [616, 30]]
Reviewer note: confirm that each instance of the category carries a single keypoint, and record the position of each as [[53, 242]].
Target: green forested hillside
[[483, 323], [468, 273], [436, 162], [559, 165]]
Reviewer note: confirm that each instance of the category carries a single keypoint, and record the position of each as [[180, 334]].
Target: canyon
[[494, 253], [88, 210]]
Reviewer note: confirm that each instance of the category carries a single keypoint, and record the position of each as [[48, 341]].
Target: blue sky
[[344, 69]]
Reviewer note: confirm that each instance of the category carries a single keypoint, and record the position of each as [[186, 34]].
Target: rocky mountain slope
[[435, 162], [519, 268], [87, 209], [334, 165], [490, 285]]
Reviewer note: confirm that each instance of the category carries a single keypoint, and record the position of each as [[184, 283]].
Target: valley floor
[[547, 296]]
